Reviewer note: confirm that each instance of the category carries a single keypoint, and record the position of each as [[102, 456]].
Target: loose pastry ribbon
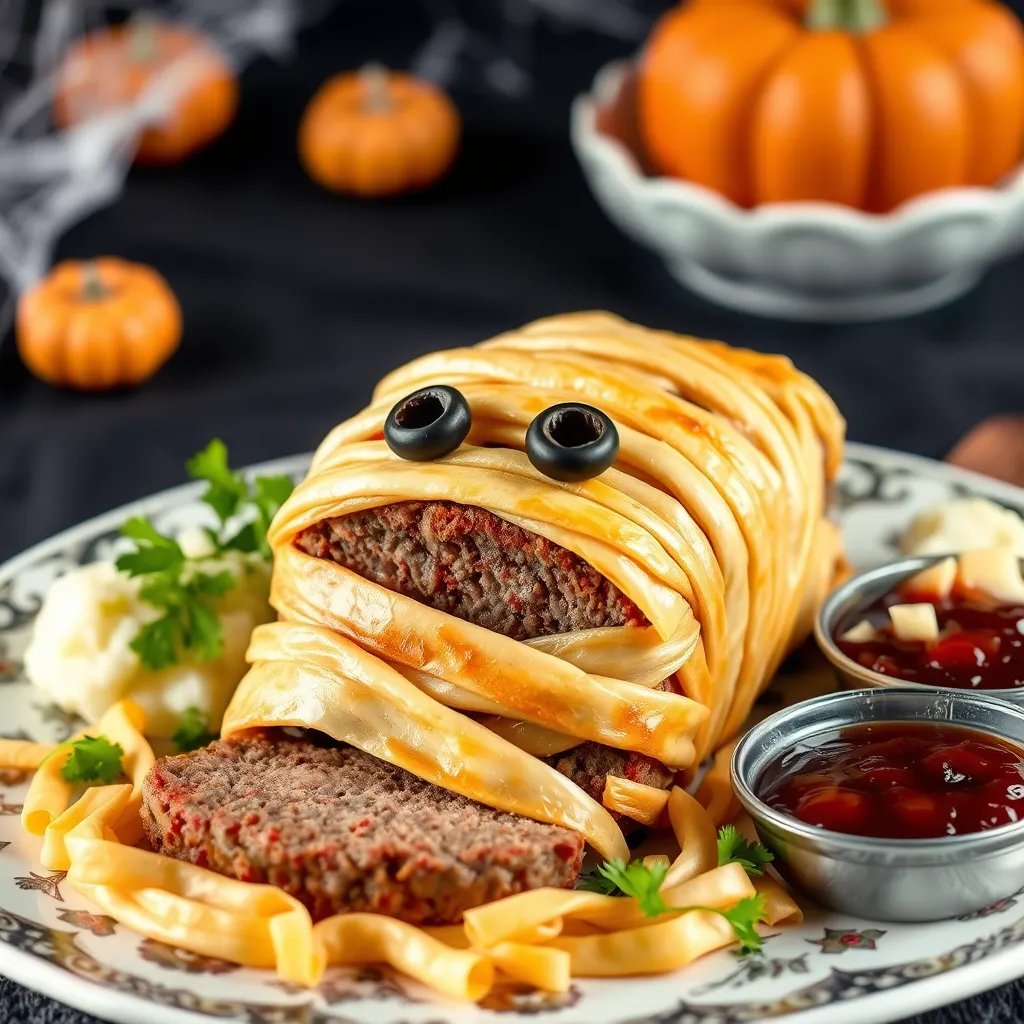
[[541, 938], [711, 522]]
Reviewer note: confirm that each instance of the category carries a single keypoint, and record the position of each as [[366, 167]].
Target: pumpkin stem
[[377, 98], [856, 16], [143, 39], [93, 288]]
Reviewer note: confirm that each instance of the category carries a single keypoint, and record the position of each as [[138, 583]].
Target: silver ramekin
[[883, 879], [856, 594]]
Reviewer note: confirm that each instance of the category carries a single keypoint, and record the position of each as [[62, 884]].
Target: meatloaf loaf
[[472, 564], [343, 831]]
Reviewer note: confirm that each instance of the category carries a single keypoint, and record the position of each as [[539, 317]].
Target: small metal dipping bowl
[[854, 596], [883, 879]]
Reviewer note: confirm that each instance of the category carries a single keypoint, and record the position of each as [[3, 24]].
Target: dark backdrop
[[296, 301]]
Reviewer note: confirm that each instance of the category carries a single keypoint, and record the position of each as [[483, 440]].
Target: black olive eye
[[428, 424], [572, 442]]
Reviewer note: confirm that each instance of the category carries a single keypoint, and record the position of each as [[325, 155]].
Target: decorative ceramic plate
[[832, 968]]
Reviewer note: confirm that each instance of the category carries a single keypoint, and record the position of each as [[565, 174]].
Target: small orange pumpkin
[[112, 67], [861, 102], [376, 132], [99, 324]]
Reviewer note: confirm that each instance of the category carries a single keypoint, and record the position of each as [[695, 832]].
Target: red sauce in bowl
[[981, 644], [900, 780]]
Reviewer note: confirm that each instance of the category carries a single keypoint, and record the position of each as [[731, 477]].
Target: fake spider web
[[50, 178], [491, 43]]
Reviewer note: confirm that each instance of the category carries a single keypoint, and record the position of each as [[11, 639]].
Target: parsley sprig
[[643, 883], [639, 881], [92, 759], [596, 881], [230, 494], [734, 849], [172, 584], [177, 585], [193, 731]]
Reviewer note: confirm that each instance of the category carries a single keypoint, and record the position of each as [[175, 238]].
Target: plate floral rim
[[970, 968]]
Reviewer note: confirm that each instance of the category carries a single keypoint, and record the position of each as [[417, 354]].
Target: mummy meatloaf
[[534, 638]]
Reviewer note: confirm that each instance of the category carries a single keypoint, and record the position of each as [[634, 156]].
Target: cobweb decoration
[[51, 178], [491, 42]]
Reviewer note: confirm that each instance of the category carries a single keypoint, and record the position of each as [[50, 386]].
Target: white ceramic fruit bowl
[[807, 261]]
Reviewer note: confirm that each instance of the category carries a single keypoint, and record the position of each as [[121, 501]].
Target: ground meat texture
[[472, 564], [343, 831], [589, 764]]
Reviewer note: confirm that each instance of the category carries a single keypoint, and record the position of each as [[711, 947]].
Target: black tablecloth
[[296, 301]]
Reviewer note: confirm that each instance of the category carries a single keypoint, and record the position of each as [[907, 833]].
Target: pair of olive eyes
[[567, 442]]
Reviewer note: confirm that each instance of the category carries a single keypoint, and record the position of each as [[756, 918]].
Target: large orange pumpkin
[[99, 324], [111, 67], [862, 102]]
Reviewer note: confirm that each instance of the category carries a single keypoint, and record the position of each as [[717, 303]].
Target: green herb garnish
[[595, 881], [639, 881], [734, 849], [193, 731], [644, 883], [92, 759], [229, 494], [172, 584], [175, 584], [743, 918]]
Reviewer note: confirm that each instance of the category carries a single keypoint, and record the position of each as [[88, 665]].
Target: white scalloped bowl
[[808, 261]]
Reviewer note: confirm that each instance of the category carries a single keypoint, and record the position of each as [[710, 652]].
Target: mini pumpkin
[[861, 102], [376, 132], [114, 66], [98, 324]]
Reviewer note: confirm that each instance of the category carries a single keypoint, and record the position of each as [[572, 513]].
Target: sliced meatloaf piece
[[476, 566], [343, 831]]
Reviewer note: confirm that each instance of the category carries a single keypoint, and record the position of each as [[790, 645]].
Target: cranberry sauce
[[900, 780]]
